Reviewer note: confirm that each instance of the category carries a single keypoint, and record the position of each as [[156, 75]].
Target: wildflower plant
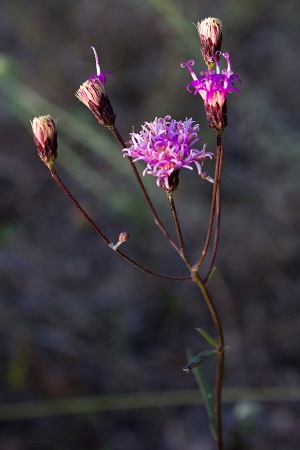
[[166, 146]]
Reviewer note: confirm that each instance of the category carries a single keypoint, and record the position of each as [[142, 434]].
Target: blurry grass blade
[[176, 20], [207, 394], [199, 359], [208, 337]]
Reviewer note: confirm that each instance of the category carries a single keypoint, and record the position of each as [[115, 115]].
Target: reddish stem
[[104, 237]]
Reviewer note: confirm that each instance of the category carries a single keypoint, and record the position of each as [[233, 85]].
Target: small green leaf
[[208, 337], [199, 359], [211, 274], [208, 396]]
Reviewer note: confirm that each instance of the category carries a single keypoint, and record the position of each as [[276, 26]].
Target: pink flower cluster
[[166, 145]]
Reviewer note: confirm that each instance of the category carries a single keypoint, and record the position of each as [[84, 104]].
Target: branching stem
[[214, 204], [104, 237]]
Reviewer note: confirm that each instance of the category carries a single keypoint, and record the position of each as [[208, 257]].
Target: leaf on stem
[[208, 337], [199, 359], [207, 394], [211, 274]]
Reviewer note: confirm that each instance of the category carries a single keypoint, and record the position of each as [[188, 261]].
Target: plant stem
[[214, 201], [219, 372], [178, 230], [157, 220], [80, 209], [104, 237], [216, 235], [217, 210]]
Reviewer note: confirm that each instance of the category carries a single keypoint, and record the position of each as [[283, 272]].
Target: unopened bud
[[123, 237], [210, 32], [45, 138], [93, 95]]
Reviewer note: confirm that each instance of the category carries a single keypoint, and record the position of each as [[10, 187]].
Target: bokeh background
[[91, 349]]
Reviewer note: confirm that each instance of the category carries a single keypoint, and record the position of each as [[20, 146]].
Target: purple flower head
[[166, 146], [99, 75], [213, 85]]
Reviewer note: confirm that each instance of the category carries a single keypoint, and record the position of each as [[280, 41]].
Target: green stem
[[219, 372]]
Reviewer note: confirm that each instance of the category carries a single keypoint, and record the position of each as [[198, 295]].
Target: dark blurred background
[[78, 321]]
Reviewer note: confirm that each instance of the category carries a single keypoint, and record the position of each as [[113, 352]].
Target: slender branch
[[157, 220], [80, 209], [178, 230], [218, 170], [219, 372], [216, 236], [104, 237], [217, 213]]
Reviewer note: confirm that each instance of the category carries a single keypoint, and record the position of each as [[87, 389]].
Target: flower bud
[[123, 237], [92, 94], [45, 138], [210, 32]]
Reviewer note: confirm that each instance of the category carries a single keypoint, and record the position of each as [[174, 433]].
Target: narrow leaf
[[211, 274], [208, 337], [208, 396], [199, 359]]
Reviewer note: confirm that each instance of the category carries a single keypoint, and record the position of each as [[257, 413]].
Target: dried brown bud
[[92, 94], [210, 32], [45, 138]]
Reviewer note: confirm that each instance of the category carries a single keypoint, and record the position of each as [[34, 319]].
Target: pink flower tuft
[[166, 146]]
